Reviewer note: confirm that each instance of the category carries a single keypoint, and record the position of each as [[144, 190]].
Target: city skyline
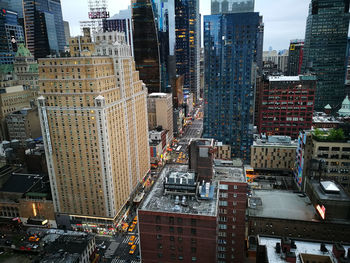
[[280, 27]]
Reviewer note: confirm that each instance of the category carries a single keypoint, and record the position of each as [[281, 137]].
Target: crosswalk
[[118, 260], [127, 239]]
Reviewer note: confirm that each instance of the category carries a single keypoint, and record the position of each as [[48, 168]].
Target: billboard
[[99, 14]]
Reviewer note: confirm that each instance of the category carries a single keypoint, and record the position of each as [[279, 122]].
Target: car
[[132, 240], [132, 227], [135, 220], [125, 226], [132, 249]]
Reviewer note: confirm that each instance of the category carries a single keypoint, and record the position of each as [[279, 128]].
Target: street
[[193, 129]]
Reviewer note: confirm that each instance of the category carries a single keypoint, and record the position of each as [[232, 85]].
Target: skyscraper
[[325, 49], [187, 49], [146, 45], [94, 122], [231, 6], [11, 34], [44, 29], [295, 57], [230, 44]]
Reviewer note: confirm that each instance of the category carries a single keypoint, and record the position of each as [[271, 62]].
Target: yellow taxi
[[132, 227], [132, 249], [135, 220], [132, 240]]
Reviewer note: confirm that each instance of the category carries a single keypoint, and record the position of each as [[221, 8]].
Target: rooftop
[[229, 171], [21, 183], [66, 248], [158, 94], [321, 117], [292, 78], [158, 201], [328, 190], [281, 204], [284, 141], [302, 248]]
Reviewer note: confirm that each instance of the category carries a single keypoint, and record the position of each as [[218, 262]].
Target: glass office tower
[[231, 6], [325, 49], [230, 46], [146, 44], [11, 34], [187, 24], [44, 27]]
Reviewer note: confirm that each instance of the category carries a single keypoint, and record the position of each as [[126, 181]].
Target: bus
[[178, 149]]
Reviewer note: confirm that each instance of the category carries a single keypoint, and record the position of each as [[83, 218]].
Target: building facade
[[146, 44], [95, 132], [229, 79], [80, 44], [295, 57], [333, 154], [287, 105], [44, 28], [11, 34], [12, 99], [160, 111], [231, 6], [187, 47], [23, 125], [325, 49]]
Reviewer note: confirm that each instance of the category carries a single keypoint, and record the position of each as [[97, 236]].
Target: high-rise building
[[80, 44], [187, 47], [164, 12], [295, 57], [11, 34], [13, 98], [146, 44], [26, 69], [44, 29], [160, 111], [205, 222], [231, 6], [66, 32], [230, 44], [121, 22], [286, 105], [94, 122], [325, 49]]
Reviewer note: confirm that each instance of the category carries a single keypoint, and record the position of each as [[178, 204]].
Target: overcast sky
[[284, 19]]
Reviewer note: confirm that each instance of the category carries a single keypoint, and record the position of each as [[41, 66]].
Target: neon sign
[[321, 210]]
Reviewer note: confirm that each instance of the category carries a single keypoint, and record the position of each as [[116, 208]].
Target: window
[[179, 220], [194, 259], [171, 229], [157, 219], [222, 226], [223, 187], [222, 203], [181, 257], [235, 187], [193, 249], [193, 231], [193, 222], [159, 237], [179, 230], [171, 220], [160, 246], [158, 228], [171, 238], [160, 255], [193, 240]]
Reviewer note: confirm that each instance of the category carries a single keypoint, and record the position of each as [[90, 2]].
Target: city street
[[192, 130]]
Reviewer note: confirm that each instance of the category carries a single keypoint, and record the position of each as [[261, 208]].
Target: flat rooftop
[[229, 171], [302, 247], [336, 192], [281, 204], [21, 183], [158, 201]]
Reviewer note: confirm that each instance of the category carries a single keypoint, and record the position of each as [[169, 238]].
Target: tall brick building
[[183, 219], [286, 105]]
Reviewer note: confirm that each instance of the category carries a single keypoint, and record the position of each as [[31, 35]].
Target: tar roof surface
[[282, 204], [158, 202], [304, 247]]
